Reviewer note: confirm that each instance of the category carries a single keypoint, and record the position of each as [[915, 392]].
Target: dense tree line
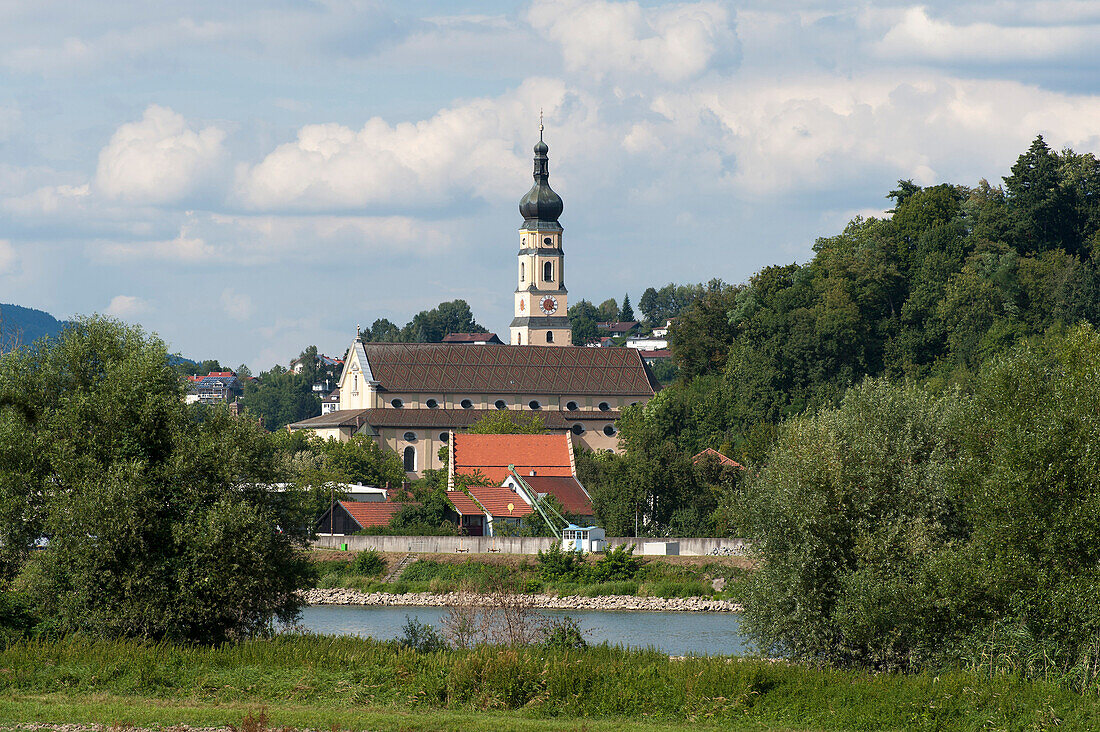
[[953, 277], [427, 326], [916, 407]]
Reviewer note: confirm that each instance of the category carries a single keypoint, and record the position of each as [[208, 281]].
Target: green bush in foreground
[[905, 530], [159, 518]]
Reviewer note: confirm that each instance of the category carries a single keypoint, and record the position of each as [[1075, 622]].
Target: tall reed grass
[[598, 682]]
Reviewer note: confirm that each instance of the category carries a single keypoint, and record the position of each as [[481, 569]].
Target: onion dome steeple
[[541, 207]]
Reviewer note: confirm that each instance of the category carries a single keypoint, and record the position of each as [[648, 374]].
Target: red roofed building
[[348, 517], [568, 490], [492, 454], [488, 505], [545, 462], [722, 459]]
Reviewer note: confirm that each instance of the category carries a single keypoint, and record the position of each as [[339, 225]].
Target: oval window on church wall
[[609, 430], [431, 404], [466, 404], [571, 406], [501, 404], [577, 429]]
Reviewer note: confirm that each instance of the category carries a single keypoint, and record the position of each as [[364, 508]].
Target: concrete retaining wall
[[506, 545]]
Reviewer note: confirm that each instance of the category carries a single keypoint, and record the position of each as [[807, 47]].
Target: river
[[677, 634]]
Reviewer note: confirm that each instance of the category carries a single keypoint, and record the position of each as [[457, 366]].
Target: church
[[411, 397]]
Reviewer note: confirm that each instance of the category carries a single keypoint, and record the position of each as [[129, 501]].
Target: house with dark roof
[[473, 339], [217, 387], [618, 329], [410, 396]]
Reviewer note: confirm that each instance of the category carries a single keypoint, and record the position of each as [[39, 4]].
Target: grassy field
[[656, 576], [324, 682]]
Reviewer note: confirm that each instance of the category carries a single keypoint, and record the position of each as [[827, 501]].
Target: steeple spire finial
[[540, 124]]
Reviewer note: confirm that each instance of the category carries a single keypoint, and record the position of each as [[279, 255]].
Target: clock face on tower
[[549, 305]]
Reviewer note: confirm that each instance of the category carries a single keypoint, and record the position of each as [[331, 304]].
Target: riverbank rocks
[[343, 596]]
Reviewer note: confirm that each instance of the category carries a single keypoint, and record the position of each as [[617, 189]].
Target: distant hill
[[26, 324]]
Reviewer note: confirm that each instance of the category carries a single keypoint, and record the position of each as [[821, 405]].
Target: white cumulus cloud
[[127, 306], [464, 151], [826, 132], [920, 36], [159, 159], [674, 43]]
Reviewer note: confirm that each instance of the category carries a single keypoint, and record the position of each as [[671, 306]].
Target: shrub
[[17, 617], [616, 565], [849, 508], [563, 634], [558, 564], [420, 637], [368, 563]]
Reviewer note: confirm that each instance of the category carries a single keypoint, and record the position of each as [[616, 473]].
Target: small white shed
[[583, 539]]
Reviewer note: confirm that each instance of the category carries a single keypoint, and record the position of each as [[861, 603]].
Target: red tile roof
[[373, 513], [567, 490], [659, 353], [496, 501], [714, 453], [464, 504], [492, 454]]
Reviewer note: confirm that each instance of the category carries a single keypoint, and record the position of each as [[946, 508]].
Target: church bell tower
[[541, 297]]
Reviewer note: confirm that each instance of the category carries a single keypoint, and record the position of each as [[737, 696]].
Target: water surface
[[677, 634]]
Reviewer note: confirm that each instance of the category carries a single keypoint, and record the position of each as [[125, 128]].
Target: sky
[[246, 179]]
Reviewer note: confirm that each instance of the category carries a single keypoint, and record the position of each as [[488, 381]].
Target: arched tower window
[[409, 458], [522, 274], [549, 336], [548, 272]]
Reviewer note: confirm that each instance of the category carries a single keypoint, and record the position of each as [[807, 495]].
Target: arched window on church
[[548, 272], [522, 275], [409, 458], [549, 336]]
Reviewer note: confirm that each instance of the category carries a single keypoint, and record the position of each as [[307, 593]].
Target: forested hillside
[[954, 276], [19, 325]]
